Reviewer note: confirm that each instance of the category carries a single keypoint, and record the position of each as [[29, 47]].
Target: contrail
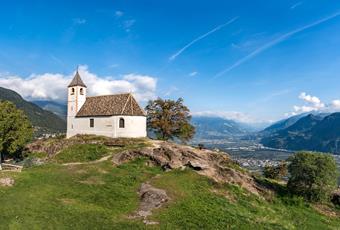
[[173, 57], [275, 42]]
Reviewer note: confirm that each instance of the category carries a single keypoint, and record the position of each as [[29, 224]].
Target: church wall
[[135, 126]]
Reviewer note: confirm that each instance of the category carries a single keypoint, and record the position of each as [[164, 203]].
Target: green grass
[[199, 203], [92, 196], [101, 196], [81, 153]]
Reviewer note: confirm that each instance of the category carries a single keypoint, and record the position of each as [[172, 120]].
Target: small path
[[90, 162]]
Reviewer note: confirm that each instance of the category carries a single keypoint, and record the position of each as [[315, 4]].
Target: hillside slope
[[42, 120], [108, 194], [312, 132]]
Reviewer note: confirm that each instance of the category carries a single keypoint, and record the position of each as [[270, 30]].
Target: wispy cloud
[[193, 74], [119, 13], [79, 21], [175, 55], [171, 90], [127, 24], [274, 42], [296, 5]]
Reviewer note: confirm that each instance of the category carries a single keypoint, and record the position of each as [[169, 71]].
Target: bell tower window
[[81, 91], [72, 91]]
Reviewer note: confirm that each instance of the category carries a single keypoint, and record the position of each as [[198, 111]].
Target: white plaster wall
[[135, 126]]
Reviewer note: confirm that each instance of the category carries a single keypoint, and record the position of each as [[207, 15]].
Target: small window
[[72, 91], [91, 123], [81, 91], [121, 123]]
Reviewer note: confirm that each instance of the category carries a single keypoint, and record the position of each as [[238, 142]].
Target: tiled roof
[[110, 105], [76, 81]]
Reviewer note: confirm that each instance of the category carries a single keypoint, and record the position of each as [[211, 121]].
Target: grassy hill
[[100, 195], [42, 120]]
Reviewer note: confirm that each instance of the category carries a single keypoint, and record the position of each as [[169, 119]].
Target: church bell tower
[[76, 98]]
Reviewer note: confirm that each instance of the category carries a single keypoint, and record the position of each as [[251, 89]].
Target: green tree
[[15, 130], [170, 119], [276, 172], [312, 175]]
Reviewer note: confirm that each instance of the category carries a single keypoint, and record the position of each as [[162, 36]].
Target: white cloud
[[119, 13], [193, 74], [49, 86], [335, 104], [313, 103], [231, 115]]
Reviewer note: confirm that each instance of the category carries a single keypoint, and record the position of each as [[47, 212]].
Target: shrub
[[312, 175], [276, 172]]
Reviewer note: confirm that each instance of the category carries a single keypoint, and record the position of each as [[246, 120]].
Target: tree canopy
[[312, 175], [15, 129], [169, 119]]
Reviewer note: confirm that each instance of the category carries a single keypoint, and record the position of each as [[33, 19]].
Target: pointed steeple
[[76, 81]]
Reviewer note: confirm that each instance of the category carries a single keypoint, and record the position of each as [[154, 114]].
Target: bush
[[276, 172], [312, 175]]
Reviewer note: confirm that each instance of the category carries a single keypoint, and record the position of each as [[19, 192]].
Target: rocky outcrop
[[217, 166], [151, 198]]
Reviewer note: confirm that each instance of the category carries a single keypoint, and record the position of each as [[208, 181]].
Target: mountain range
[[44, 122], [314, 132]]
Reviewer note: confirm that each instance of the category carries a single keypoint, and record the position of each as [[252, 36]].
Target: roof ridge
[[108, 95]]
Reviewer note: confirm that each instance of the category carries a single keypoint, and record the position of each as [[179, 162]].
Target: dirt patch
[[67, 201], [215, 165], [326, 210], [230, 197], [6, 182], [150, 198]]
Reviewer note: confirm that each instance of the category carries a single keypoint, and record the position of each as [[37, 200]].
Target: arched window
[[121, 123], [72, 91], [81, 91]]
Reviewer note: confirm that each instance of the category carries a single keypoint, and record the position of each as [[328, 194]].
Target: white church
[[110, 115]]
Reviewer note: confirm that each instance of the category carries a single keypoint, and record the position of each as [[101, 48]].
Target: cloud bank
[[313, 103], [52, 86]]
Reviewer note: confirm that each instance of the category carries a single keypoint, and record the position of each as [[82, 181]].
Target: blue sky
[[248, 60]]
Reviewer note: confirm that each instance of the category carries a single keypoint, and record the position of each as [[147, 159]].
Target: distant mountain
[[318, 132], [217, 128], [42, 120], [54, 107], [282, 124]]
